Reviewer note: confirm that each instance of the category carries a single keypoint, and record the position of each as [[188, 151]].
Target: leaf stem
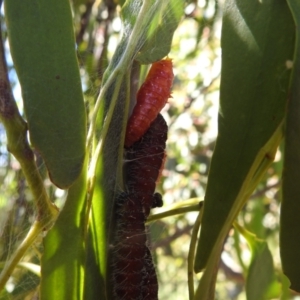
[[191, 254], [172, 212]]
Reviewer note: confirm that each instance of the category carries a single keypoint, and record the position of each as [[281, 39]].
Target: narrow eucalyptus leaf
[[290, 206], [42, 46], [253, 97]]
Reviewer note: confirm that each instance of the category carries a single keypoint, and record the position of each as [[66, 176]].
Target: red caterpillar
[[133, 270], [151, 98]]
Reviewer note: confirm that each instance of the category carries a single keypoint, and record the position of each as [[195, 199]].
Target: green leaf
[[290, 207], [42, 46], [261, 271], [160, 33], [254, 91], [63, 257], [274, 290], [286, 294]]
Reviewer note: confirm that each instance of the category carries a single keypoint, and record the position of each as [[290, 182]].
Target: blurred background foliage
[[192, 117]]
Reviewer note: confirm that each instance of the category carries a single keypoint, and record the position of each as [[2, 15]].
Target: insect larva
[[134, 275], [150, 284], [133, 271], [130, 248], [151, 98], [145, 158]]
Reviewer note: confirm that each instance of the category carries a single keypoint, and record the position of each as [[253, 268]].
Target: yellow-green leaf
[[63, 258]]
